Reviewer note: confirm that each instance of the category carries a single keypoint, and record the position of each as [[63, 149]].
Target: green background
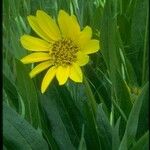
[[109, 110]]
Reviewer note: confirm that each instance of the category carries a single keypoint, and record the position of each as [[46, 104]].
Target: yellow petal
[[82, 59], [91, 47], [48, 25], [39, 68], [76, 73], [35, 57], [35, 26], [85, 36], [48, 78], [68, 25], [74, 28], [34, 44], [63, 21], [62, 74]]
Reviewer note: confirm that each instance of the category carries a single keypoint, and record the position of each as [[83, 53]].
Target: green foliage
[[132, 123], [28, 94], [109, 110], [105, 130], [19, 134]]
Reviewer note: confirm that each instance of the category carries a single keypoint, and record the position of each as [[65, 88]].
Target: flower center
[[64, 52]]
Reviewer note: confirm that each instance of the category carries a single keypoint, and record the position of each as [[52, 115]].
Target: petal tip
[[22, 60], [61, 83], [39, 12], [43, 90], [31, 75], [63, 12], [22, 37], [29, 17]]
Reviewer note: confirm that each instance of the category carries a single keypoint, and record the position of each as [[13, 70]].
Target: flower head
[[62, 48]]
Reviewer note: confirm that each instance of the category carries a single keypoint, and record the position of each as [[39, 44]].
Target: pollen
[[64, 52]]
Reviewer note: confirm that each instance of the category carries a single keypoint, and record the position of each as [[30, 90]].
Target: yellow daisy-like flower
[[62, 49]]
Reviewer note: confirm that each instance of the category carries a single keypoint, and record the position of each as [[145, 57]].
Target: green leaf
[[111, 40], [105, 130], [90, 95], [82, 144], [143, 123], [124, 27], [108, 35], [28, 93], [111, 45], [67, 107], [139, 44], [142, 143], [19, 134], [7, 71], [80, 95], [122, 94], [121, 101], [46, 130], [115, 135], [100, 86], [131, 77], [56, 122], [11, 92], [132, 123]]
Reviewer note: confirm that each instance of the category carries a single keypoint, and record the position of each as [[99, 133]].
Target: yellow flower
[[62, 48]]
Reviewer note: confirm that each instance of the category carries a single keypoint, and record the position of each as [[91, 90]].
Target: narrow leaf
[[19, 134], [28, 93], [82, 144], [142, 143], [105, 130], [132, 123], [57, 126], [115, 136]]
